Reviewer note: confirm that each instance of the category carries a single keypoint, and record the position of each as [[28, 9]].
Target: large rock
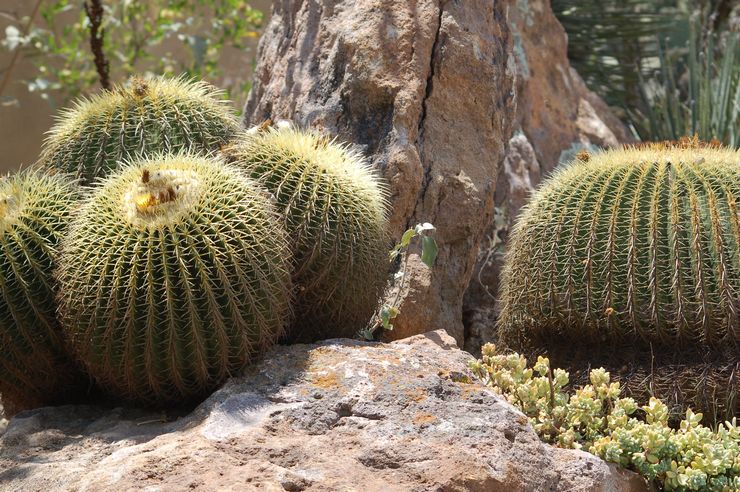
[[340, 415], [433, 91], [423, 87], [555, 117]]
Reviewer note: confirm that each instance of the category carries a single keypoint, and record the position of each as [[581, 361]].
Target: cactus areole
[[640, 245], [158, 198], [174, 275]]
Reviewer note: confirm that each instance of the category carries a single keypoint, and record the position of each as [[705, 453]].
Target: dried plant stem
[[94, 11]]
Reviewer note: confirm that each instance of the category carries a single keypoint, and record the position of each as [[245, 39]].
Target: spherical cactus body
[[174, 275], [335, 213], [145, 115], [637, 244], [34, 366], [631, 259]]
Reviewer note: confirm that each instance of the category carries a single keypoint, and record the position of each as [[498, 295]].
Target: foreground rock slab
[[339, 415]]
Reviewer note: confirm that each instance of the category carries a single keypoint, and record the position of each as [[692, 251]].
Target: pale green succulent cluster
[[594, 418], [172, 268]]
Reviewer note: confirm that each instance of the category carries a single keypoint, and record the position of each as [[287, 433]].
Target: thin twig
[[17, 51], [94, 11]]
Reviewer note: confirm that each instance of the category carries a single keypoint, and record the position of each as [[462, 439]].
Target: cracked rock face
[[423, 87], [433, 92], [339, 415]]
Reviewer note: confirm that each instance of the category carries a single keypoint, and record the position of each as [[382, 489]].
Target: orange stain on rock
[[326, 381], [423, 418]]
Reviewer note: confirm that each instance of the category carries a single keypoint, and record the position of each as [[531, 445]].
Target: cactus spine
[[335, 213], [146, 115], [34, 211], [174, 275], [639, 244]]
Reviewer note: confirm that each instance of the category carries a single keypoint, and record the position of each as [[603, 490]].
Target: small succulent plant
[[174, 274], [595, 418]]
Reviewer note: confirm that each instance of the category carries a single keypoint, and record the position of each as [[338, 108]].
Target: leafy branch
[[129, 38], [17, 48]]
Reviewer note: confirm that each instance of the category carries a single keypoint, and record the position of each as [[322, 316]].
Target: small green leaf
[[429, 250], [406, 238], [367, 334], [387, 313]]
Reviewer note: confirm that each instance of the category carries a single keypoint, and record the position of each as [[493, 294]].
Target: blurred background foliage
[[46, 58], [160, 36], [669, 68]]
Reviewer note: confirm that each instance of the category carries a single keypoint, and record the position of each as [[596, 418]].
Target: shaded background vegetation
[[211, 39], [667, 67]]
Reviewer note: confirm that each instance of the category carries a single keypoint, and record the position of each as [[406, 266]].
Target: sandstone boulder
[[338, 415], [423, 87]]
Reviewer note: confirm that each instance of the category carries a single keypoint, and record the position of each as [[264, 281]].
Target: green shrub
[[594, 418], [160, 36]]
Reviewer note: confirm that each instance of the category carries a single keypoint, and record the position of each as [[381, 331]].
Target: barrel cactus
[[334, 207], [145, 115], [630, 259], [635, 244], [34, 211], [174, 274]]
